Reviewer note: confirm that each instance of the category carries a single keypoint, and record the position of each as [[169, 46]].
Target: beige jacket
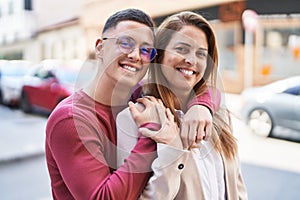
[[175, 174], [181, 179]]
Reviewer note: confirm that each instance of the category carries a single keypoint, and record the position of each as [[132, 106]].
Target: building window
[[4, 39], [27, 4], [10, 7], [280, 52], [226, 45]]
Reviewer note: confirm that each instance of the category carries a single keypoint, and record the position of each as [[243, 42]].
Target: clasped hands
[[195, 125]]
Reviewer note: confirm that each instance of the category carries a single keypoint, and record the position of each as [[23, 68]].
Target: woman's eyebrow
[[203, 49], [187, 44], [183, 43]]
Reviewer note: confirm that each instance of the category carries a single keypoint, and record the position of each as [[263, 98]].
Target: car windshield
[[293, 90], [67, 75], [282, 85]]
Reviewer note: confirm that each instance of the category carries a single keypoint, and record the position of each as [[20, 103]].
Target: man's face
[[124, 52]]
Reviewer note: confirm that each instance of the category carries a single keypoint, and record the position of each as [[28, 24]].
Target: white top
[[210, 166]]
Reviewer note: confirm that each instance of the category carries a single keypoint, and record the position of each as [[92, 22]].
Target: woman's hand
[[145, 110], [155, 112], [196, 126]]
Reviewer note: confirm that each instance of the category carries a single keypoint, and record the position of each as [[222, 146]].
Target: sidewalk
[[268, 152], [24, 137], [21, 137], [233, 102]]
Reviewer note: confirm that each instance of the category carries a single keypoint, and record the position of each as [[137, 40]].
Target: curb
[[7, 159]]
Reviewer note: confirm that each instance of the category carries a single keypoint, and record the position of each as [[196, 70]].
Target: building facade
[[36, 30], [18, 26], [63, 41], [269, 52]]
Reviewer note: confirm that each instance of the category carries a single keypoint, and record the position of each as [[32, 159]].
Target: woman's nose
[[190, 59]]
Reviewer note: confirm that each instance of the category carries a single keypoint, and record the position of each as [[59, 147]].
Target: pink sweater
[[81, 153]]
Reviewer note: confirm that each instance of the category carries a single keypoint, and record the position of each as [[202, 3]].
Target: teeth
[[130, 68], [186, 72]]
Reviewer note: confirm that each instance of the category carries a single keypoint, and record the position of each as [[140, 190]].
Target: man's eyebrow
[[147, 43]]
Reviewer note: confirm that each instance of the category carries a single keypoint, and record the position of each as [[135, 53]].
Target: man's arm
[[197, 122], [211, 100], [78, 151]]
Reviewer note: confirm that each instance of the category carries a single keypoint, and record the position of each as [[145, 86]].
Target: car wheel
[[25, 105], [260, 122]]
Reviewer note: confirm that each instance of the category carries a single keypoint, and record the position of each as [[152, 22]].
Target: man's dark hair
[[128, 14]]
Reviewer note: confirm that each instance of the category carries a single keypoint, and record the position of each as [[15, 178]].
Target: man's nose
[[134, 55]]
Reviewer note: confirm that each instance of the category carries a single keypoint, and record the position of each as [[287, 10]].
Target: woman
[[186, 66]]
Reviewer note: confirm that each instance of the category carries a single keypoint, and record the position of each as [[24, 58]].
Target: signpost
[[250, 21]]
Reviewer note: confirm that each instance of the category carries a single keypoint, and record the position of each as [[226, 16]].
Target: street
[[271, 167], [25, 180]]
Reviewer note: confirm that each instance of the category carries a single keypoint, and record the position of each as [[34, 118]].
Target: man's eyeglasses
[[127, 45]]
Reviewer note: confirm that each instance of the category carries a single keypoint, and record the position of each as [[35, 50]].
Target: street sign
[[250, 20]]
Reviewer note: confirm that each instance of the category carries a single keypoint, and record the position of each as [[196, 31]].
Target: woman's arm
[[171, 159], [167, 169]]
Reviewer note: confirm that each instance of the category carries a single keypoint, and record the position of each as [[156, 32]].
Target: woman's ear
[[98, 48]]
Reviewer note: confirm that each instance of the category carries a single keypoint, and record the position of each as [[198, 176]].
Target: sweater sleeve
[[76, 160], [207, 99], [167, 169]]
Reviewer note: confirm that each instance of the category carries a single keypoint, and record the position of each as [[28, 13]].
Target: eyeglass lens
[[127, 45]]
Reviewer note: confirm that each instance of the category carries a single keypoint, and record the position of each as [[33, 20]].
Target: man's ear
[[98, 48]]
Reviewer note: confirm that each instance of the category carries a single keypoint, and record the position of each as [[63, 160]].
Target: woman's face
[[184, 61]]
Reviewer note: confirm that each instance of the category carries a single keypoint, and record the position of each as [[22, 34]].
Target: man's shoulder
[[68, 108]]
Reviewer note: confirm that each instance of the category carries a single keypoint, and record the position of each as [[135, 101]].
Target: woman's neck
[[181, 101]]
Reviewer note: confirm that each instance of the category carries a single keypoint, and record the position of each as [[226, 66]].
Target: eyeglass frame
[[129, 50]]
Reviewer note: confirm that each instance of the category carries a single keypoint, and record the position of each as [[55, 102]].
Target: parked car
[[12, 75], [274, 109], [2, 63], [47, 86]]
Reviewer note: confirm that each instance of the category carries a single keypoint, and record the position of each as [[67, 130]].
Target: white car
[[274, 109], [12, 75]]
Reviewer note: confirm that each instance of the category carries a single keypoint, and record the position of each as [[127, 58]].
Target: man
[[81, 131]]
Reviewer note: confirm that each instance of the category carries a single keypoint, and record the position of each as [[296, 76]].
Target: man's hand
[[196, 126]]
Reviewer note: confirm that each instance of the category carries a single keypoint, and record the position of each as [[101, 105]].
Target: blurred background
[[47, 48]]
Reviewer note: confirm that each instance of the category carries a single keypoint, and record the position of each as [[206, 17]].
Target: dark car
[[274, 109], [47, 87]]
